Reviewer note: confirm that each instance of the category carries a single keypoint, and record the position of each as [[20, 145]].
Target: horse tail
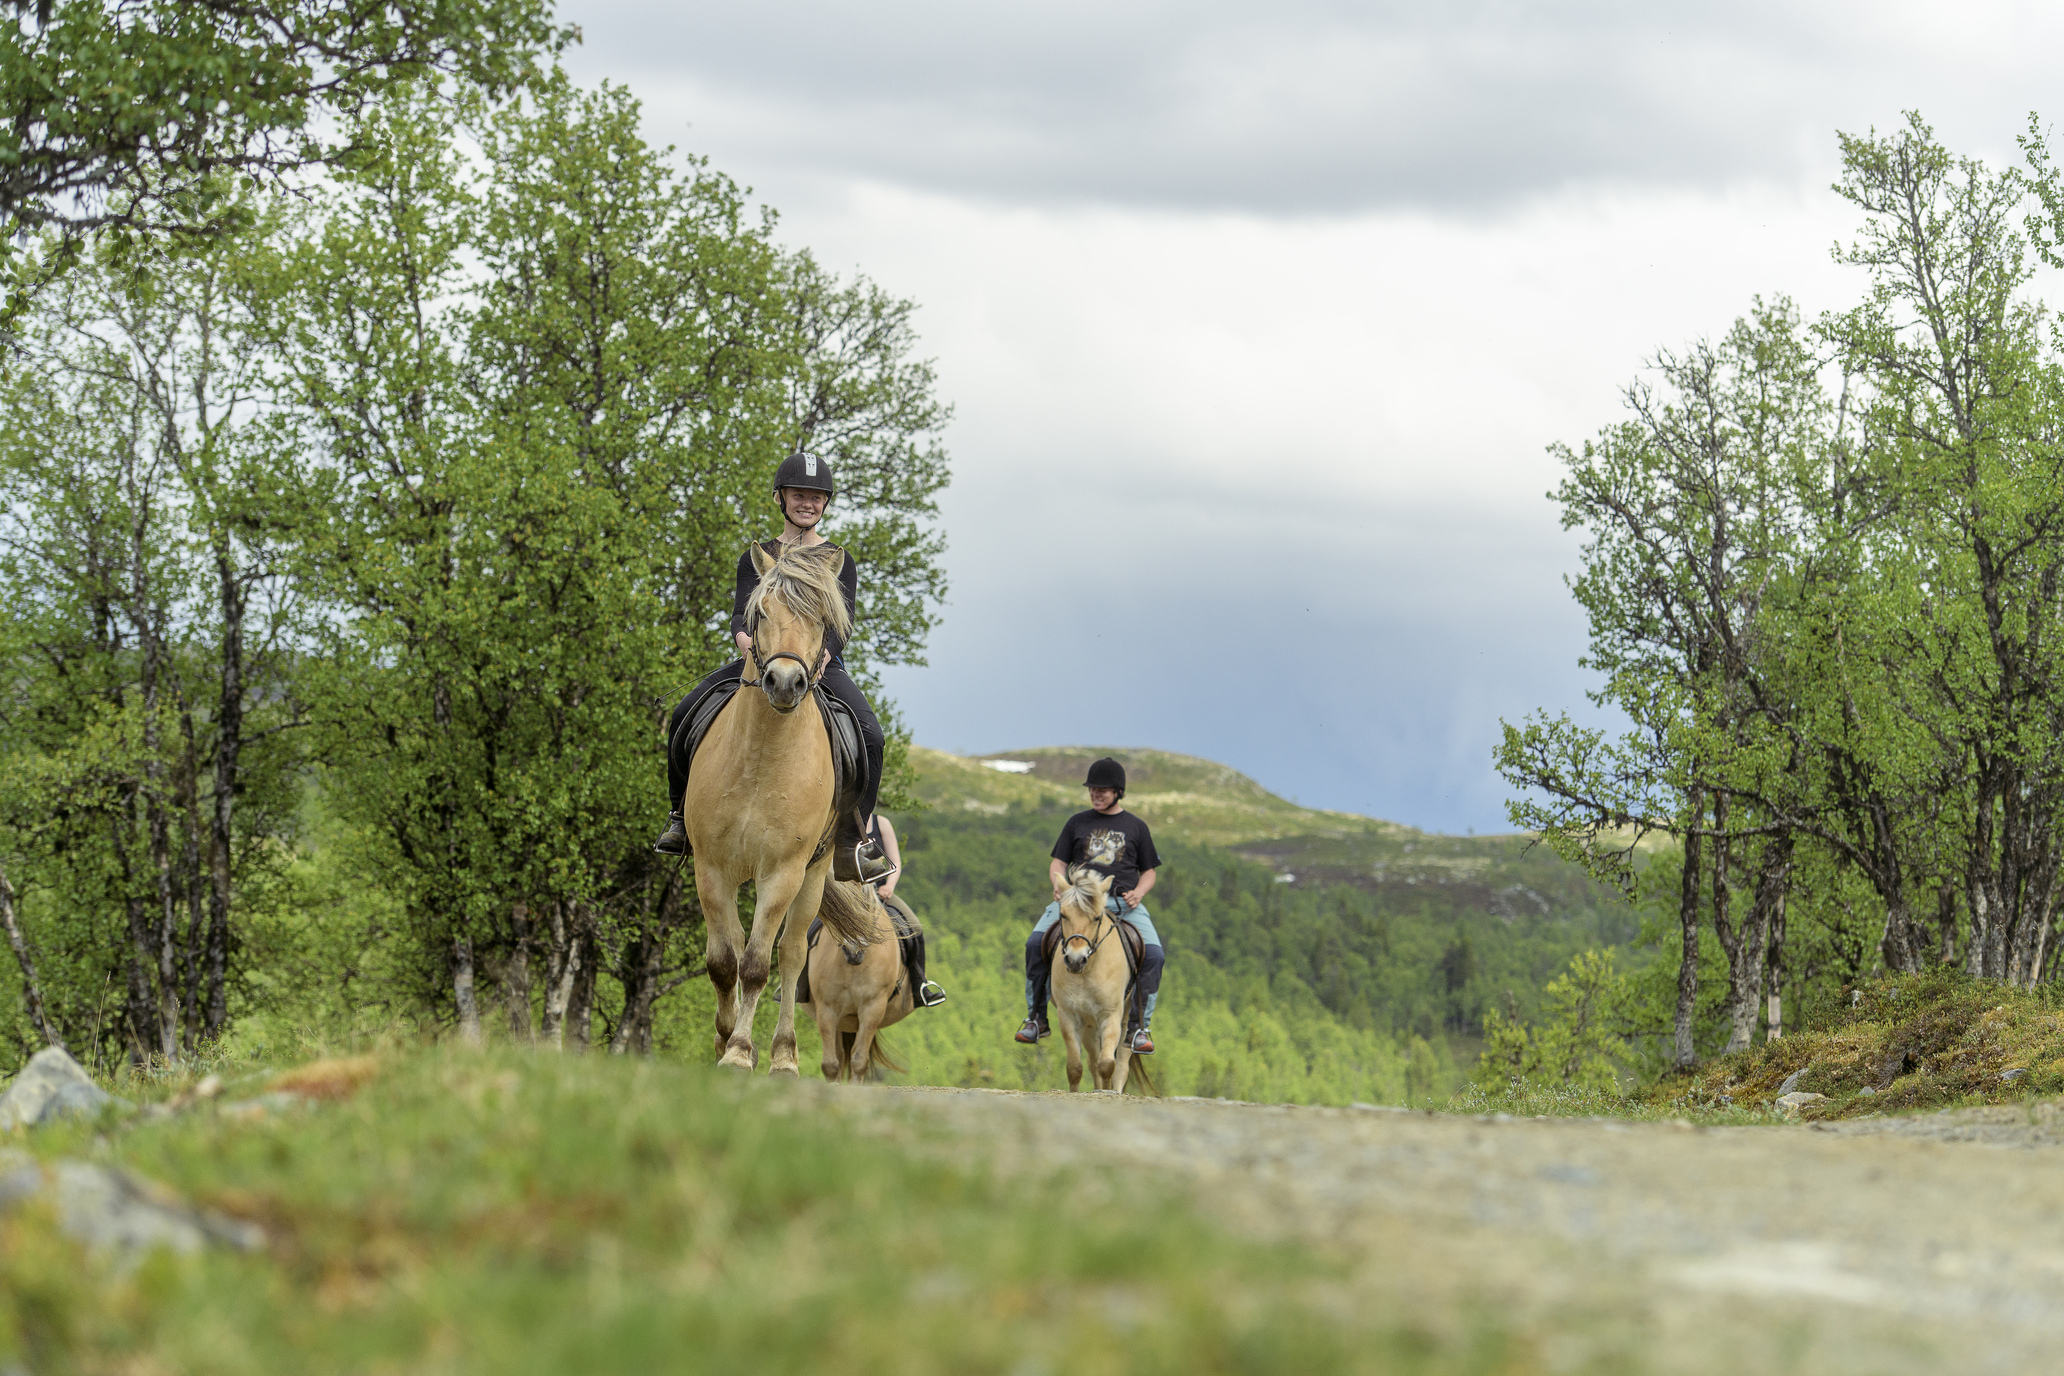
[[878, 1056], [1139, 1076], [853, 912]]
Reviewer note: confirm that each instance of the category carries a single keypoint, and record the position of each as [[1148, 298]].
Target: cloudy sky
[[1258, 318]]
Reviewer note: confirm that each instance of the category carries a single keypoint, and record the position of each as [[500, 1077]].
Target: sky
[[1258, 320]]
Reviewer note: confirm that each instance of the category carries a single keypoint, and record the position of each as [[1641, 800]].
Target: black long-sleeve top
[[749, 578]]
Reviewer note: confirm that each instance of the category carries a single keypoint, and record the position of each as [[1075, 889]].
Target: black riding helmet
[[805, 471], [1106, 773]]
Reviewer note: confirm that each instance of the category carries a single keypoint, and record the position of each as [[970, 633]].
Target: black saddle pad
[[848, 754]]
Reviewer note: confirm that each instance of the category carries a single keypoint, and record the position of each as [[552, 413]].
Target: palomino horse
[[759, 802], [856, 990], [1089, 980]]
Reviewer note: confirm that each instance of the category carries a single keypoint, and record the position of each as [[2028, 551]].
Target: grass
[[451, 1211]]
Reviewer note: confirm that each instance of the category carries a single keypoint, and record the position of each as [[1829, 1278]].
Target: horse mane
[[1086, 891], [853, 911], [806, 580]]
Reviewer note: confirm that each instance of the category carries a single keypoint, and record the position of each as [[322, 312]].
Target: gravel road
[[1887, 1245]]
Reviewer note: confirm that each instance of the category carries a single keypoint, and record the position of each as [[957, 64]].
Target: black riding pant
[[836, 681]]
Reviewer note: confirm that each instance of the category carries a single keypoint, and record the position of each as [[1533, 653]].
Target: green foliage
[[1573, 1043], [129, 111]]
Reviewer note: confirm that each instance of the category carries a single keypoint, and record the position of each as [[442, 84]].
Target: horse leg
[[863, 1039], [756, 967], [795, 949], [1108, 1028], [827, 1028], [1124, 1067], [723, 940], [1073, 1038]]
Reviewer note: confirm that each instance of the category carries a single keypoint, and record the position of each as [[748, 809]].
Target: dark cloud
[[1294, 108]]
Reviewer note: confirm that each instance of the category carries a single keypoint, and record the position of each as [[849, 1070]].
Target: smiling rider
[[803, 486], [1113, 842]]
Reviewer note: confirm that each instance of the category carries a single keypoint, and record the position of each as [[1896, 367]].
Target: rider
[[1113, 842], [803, 487], [883, 832]]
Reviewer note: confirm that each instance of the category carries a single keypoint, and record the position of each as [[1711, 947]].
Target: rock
[[1867, 1091], [2009, 1076], [1791, 1081], [50, 1086], [111, 1210], [1791, 1104]]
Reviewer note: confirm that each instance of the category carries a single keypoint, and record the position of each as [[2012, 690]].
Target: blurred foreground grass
[[506, 1211]]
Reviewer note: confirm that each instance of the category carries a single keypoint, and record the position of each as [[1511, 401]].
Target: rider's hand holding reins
[[744, 643]]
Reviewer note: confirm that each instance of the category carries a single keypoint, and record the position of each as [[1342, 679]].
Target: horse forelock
[[1084, 896], [805, 580]]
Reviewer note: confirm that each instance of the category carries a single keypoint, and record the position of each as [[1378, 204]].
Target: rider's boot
[[674, 840], [855, 856], [1143, 1042], [1035, 1027]]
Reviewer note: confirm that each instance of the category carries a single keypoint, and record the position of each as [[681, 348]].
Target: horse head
[[1082, 916], [797, 601]]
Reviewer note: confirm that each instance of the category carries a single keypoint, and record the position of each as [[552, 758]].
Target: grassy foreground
[[505, 1211]]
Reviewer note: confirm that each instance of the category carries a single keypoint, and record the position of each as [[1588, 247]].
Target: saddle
[[1135, 947], [848, 754], [909, 944]]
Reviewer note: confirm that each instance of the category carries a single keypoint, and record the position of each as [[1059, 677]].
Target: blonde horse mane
[[805, 579]]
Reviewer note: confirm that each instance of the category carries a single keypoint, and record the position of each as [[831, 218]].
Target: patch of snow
[[1009, 766]]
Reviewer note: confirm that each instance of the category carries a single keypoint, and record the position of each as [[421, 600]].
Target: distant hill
[[1313, 955]]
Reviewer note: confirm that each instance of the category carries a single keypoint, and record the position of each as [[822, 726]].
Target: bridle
[[760, 665], [1103, 929]]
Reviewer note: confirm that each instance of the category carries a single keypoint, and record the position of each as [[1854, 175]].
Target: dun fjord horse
[[759, 802], [1089, 979], [856, 990]]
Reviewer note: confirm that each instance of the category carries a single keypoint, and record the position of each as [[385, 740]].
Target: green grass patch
[[504, 1211], [1935, 1040]]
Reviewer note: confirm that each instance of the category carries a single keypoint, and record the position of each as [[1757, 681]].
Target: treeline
[[402, 500], [1822, 572]]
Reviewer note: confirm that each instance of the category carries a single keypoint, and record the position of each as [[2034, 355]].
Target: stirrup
[[858, 866], [930, 995], [673, 840]]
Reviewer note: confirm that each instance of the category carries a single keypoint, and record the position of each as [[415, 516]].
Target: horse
[[1089, 983], [759, 805], [855, 990]]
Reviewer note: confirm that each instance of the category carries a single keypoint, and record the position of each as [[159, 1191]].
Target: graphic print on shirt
[[1104, 848]]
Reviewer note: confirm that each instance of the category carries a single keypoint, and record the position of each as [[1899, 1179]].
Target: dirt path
[[1930, 1244]]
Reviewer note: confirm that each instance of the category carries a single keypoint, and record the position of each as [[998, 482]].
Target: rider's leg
[[1037, 974], [674, 840], [923, 992], [851, 833], [1151, 961]]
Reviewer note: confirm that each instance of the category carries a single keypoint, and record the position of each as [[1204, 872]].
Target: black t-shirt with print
[[1119, 846]]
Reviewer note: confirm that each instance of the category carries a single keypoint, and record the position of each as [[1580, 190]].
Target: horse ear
[[761, 560]]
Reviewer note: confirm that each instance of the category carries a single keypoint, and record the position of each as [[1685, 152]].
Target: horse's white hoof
[[787, 1070], [735, 1059]]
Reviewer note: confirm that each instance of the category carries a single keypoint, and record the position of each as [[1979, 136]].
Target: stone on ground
[[111, 1210], [50, 1086], [1791, 1104]]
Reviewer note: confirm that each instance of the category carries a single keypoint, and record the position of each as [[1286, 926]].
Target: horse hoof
[[790, 1071], [740, 1059]]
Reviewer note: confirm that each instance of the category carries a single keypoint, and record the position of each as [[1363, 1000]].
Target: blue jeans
[[1036, 971]]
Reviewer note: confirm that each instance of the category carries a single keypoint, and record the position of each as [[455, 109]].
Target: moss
[[1935, 1040]]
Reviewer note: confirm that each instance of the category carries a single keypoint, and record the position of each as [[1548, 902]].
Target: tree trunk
[[1775, 965], [580, 1006], [516, 978], [562, 968], [462, 990], [191, 953], [1683, 1055], [1745, 972], [32, 988], [229, 745]]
